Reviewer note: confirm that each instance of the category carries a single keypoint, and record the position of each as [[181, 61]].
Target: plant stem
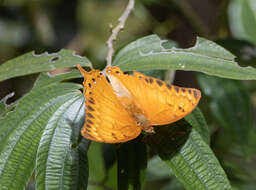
[[116, 30]]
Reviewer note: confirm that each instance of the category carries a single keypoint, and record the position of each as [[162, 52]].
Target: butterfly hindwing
[[106, 118], [161, 103]]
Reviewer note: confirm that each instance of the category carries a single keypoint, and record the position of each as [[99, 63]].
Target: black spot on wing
[[90, 115], [89, 121], [195, 94], [90, 108], [169, 86], [87, 130], [113, 135], [91, 100], [160, 83]]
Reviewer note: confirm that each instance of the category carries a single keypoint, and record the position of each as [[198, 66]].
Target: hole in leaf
[[55, 59]]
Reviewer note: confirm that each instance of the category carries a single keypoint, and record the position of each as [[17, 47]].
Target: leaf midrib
[[50, 144], [29, 124]]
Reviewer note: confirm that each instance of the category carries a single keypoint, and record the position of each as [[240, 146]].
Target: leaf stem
[[117, 29]]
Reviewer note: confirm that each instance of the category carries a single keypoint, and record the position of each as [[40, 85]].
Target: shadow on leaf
[[168, 139]]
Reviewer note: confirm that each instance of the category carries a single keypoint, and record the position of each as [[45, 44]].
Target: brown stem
[[117, 29]]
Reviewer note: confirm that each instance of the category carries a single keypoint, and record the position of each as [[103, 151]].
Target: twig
[[116, 30]]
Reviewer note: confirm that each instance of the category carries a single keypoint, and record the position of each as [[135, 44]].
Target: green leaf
[[189, 157], [230, 104], [21, 131], [111, 182], [157, 169], [196, 119], [97, 170], [82, 164], [31, 63], [100, 177], [58, 164], [132, 164], [149, 53], [4, 108], [242, 17], [46, 79], [244, 51]]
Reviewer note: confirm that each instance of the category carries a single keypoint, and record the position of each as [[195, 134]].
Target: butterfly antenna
[[84, 72], [104, 71]]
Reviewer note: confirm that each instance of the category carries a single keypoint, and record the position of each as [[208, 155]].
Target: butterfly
[[120, 108]]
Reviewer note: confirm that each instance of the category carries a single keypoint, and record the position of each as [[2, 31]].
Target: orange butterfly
[[118, 111]]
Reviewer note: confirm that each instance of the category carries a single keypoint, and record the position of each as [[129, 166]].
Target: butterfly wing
[[106, 118], [160, 102]]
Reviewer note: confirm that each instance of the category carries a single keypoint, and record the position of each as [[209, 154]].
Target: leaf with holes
[[30, 63], [4, 107], [150, 53], [22, 128]]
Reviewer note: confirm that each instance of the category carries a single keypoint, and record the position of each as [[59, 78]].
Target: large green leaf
[[242, 17], [189, 157], [21, 131], [150, 53], [58, 164], [97, 172], [230, 104], [132, 164], [31, 63], [46, 79], [82, 164], [196, 119]]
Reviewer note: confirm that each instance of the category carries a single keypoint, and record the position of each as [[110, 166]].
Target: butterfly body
[[135, 112], [118, 111]]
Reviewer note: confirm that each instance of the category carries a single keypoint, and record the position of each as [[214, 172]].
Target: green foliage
[[40, 141], [51, 114], [243, 19], [21, 130], [229, 99], [189, 157], [206, 56], [4, 108], [132, 164], [33, 63]]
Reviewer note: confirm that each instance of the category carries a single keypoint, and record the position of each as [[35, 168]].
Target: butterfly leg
[[148, 129]]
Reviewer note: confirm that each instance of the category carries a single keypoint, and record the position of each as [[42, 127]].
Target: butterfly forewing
[[161, 103], [106, 118]]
